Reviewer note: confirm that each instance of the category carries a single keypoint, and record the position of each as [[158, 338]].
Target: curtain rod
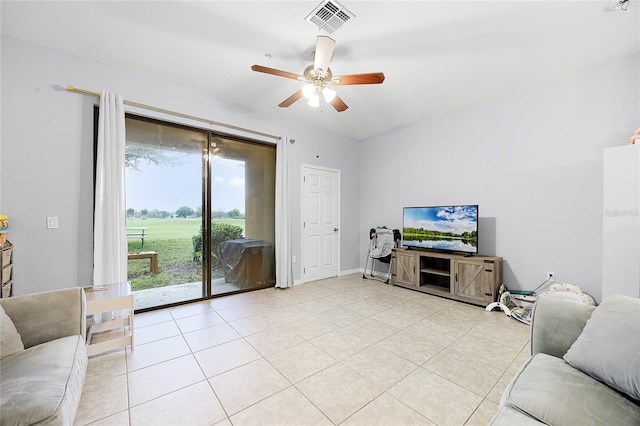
[[179, 114]]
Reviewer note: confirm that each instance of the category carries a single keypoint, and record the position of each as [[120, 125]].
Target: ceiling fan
[[319, 75]]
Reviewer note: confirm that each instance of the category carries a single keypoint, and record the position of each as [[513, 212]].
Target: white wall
[[531, 160], [46, 168]]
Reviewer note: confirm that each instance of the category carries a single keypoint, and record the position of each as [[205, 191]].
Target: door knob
[[335, 229]]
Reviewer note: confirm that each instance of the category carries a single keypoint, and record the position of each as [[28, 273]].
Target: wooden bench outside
[[152, 255], [140, 232]]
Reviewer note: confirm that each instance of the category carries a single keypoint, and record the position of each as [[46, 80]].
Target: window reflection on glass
[[164, 168], [243, 221]]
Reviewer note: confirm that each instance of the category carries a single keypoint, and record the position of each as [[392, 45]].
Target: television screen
[[448, 228]]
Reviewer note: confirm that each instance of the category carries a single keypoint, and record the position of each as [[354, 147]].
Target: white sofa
[[584, 368], [43, 357]]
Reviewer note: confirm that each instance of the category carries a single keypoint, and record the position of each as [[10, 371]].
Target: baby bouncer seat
[[381, 242]]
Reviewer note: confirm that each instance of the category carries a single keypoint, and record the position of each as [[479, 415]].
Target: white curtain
[[110, 235], [284, 272]]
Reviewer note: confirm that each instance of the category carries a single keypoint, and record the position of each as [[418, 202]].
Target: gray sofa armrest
[[556, 324], [46, 316]]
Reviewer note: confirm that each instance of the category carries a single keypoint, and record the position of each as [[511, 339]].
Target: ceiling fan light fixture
[[308, 91], [314, 101], [328, 94], [317, 76]]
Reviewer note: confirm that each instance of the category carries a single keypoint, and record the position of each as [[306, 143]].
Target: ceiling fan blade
[[279, 73], [291, 99], [369, 78], [338, 104], [322, 57]]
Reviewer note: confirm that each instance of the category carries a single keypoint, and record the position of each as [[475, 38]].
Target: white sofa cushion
[[609, 347], [10, 340], [553, 392], [42, 384]]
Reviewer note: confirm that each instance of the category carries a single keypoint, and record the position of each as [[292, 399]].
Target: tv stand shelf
[[435, 272], [472, 279]]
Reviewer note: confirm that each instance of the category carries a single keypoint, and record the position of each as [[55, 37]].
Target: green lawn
[[175, 228], [171, 239]]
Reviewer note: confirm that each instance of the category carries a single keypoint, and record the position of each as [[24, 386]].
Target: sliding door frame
[[207, 156]]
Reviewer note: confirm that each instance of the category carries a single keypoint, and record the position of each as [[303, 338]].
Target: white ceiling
[[437, 56]]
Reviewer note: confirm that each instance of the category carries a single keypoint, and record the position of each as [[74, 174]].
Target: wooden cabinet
[[472, 279], [477, 279], [403, 267]]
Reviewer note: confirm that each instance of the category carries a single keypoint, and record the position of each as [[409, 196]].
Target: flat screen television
[[445, 228]]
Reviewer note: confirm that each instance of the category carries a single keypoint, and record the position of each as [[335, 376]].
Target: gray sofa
[[43, 357], [584, 368]]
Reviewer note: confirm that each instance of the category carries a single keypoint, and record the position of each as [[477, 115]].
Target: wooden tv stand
[[473, 279]]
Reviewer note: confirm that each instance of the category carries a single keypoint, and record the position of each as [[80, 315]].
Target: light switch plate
[[52, 222]]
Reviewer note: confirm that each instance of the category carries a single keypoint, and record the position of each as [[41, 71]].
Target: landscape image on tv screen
[[450, 228]]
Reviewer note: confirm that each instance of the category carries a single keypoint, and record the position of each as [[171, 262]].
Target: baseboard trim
[[351, 271], [340, 274]]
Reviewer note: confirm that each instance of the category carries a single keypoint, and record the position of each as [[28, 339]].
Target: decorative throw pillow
[[609, 347], [10, 340]]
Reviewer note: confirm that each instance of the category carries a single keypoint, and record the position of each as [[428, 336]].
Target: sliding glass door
[[200, 213], [164, 169], [242, 232]]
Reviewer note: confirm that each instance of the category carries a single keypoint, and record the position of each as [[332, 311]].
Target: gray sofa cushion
[[45, 316], [553, 392], [10, 340], [609, 347], [42, 384], [556, 324]]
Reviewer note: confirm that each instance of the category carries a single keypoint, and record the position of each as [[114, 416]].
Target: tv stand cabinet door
[[477, 279], [405, 268]]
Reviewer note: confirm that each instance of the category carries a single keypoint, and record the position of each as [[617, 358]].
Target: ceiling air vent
[[329, 15]]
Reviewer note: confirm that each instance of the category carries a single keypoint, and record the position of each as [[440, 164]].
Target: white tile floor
[[338, 351]]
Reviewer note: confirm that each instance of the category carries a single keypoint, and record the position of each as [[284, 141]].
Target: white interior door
[[320, 222]]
